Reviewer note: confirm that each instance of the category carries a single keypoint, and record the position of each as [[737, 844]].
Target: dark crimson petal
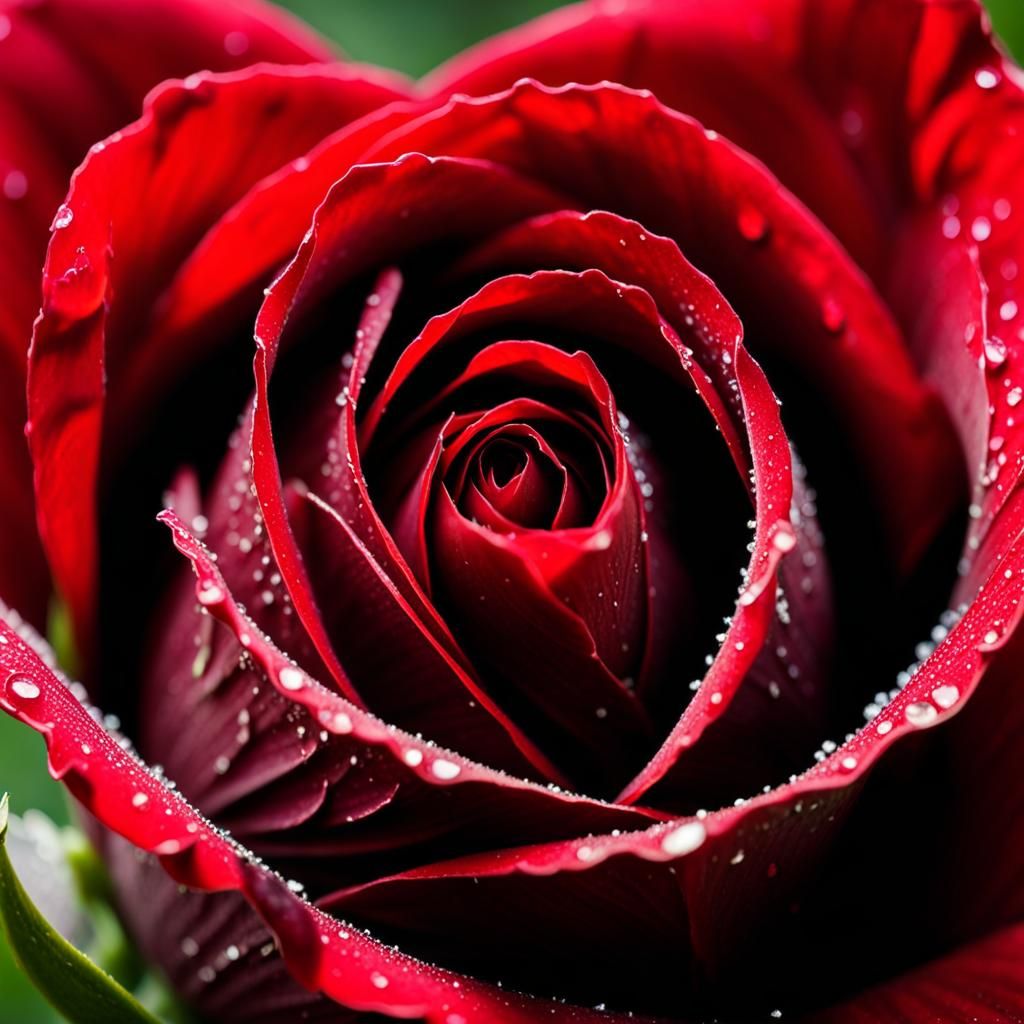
[[774, 538], [261, 232], [887, 99], [136, 208], [734, 66], [778, 714], [982, 983], [381, 212], [801, 298], [626, 317], [382, 640], [414, 756], [741, 896], [322, 954], [69, 76], [214, 950]]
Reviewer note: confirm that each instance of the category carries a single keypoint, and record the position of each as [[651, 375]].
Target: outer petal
[[322, 953], [494, 802], [982, 983], [806, 307], [71, 73], [743, 894], [136, 208]]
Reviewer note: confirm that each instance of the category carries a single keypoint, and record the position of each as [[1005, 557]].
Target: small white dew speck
[[684, 839], [445, 769], [291, 677]]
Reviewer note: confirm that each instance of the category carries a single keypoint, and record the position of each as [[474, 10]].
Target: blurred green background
[[413, 36]]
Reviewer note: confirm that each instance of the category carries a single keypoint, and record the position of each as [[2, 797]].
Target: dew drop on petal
[[784, 538], [945, 696], [292, 678], [685, 838], [15, 184], [236, 43], [981, 228], [445, 769], [833, 317], [883, 728], [986, 78], [752, 224], [995, 352], [413, 757], [64, 216], [921, 713], [139, 800], [211, 594], [24, 688]]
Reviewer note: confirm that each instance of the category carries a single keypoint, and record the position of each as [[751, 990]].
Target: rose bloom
[[591, 555]]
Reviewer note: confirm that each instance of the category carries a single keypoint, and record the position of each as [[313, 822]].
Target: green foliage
[[72, 983]]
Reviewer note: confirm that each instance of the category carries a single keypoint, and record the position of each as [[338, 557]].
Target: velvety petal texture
[[600, 510], [70, 74]]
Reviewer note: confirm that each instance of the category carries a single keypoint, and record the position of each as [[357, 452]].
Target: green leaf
[[75, 986]]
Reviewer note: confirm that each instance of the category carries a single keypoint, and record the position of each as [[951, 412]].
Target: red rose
[[511, 472]]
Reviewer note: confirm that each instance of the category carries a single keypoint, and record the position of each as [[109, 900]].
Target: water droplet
[[991, 637], [210, 594], [950, 227], [1008, 310], [986, 78], [15, 185], [995, 352], [883, 728], [413, 757], [684, 839], [189, 946], [379, 980], [849, 763], [65, 215], [139, 800], [1001, 209], [981, 228], [24, 688], [784, 538], [752, 224], [921, 713], [1014, 396], [236, 43], [292, 678], [445, 769], [945, 696], [833, 317]]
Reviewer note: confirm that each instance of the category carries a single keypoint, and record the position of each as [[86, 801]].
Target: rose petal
[[741, 895], [982, 981], [627, 152], [320, 951], [53, 103], [135, 209]]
